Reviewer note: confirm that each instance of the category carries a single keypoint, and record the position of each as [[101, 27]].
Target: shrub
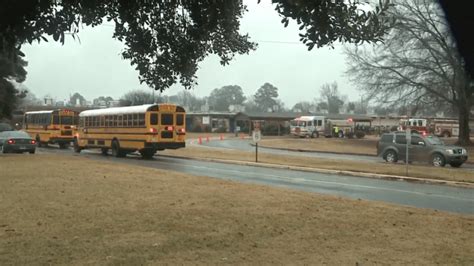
[[359, 134], [350, 135], [221, 130], [196, 128], [271, 130]]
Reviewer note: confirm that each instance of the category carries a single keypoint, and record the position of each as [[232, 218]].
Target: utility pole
[[408, 139]]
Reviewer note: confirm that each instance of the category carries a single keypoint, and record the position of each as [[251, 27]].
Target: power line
[[277, 42]]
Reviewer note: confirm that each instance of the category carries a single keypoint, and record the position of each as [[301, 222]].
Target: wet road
[[447, 198]]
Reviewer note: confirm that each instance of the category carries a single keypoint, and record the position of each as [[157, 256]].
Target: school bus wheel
[[77, 148], [104, 151], [38, 140], [116, 151], [63, 145], [147, 153]]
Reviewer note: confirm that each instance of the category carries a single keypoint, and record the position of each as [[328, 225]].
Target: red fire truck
[[417, 125], [446, 127]]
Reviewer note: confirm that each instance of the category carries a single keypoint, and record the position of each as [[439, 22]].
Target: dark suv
[[392, 147]]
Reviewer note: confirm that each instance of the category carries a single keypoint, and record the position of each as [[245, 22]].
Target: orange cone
[[200, 140]]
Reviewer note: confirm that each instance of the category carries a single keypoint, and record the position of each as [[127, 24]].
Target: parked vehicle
[[392, 147], [308, 126], [16, 141], [417, 125], [446, 127], [315, 126]]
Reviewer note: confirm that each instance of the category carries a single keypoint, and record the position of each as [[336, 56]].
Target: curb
[[334, 172]]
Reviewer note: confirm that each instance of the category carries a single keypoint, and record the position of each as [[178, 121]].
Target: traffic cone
[[222, 137], [200, 140]]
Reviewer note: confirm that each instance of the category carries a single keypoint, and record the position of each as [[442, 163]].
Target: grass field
[[72, 210]]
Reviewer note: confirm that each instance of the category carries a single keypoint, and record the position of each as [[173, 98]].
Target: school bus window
[[135, 120], [153, 119], [125, 120], [167, 119], [130, 120], [102, 121], [179, 119], [66, 120], [141, 120]]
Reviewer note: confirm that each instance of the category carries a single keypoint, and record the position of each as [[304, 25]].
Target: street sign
[[256, 135]]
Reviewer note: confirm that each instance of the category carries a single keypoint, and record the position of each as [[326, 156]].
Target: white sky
[[94, 66]]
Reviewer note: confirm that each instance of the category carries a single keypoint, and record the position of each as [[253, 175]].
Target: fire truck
[[417, 125], [446, 127], [315, 126]]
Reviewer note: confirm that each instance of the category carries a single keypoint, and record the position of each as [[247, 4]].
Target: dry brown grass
[[72, 210], [365, 146], [415, 170]]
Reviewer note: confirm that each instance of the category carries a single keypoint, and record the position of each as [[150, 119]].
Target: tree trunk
[[464, 131]]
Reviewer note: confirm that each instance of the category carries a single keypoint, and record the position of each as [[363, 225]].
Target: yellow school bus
[[143, 128], [51, 126]]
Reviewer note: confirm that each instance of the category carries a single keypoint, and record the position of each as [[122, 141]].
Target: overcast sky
[[94, 66]]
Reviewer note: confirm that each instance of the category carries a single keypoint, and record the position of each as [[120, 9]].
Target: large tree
[[137, 97], [303, 107], [221, 99], [190, 101], [417, 65], [329, 93], [77, 98], [324, 22], [165, 40], [266, 98]]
